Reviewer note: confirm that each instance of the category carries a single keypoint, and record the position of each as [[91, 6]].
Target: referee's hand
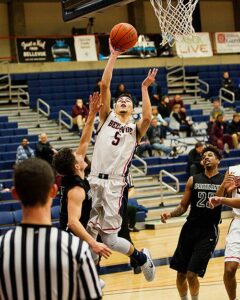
[[101, 249], [165, 216]]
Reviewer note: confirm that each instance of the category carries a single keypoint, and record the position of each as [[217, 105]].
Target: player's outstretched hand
[[165, 216], [101, 249], [94, 103], [150, 78], [229, 182], [214, 201], [114, 51]]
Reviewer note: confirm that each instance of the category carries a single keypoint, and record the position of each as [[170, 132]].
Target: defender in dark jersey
[[199, 234], [76, 199]]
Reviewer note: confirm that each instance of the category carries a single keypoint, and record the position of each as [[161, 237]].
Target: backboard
[[73, 9]]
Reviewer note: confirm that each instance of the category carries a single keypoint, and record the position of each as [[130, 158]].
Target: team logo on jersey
[[206, 186], [119, 127]]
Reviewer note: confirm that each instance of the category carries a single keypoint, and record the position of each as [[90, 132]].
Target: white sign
[[227, 42], [197, 46], [85, 48]]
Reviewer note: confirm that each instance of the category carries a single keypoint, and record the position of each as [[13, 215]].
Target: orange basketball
[[123, 36]]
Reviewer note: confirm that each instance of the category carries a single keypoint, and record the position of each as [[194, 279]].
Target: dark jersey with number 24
[[202, 189]]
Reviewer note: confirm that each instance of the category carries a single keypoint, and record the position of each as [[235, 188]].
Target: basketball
[[123, 36]]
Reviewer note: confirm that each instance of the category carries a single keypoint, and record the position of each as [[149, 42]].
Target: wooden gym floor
[[162, 243]]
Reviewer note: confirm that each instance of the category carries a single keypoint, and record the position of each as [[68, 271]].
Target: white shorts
[[232, 251], [107, 197]]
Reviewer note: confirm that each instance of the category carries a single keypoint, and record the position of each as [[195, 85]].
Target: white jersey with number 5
[[235, 170], [114, 147]]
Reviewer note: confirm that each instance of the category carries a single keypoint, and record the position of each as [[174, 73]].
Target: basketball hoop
[[175, 19]]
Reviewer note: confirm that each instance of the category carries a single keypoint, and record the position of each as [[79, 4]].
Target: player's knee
[[230, 270], [181, 276], [110, 240], [191, 276]]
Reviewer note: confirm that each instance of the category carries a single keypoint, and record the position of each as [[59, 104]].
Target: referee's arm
[[88, 281]]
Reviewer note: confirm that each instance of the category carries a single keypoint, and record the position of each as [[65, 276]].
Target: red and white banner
[[197, 46], [85, 48], [227, 42]]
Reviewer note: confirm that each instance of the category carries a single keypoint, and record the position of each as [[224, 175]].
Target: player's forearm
[[146, 105], [77, 228], [221, 191], [231, 202], [178, 211], [86, 134], [107, 74]]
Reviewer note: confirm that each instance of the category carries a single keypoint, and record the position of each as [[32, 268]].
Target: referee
[[38, 261]]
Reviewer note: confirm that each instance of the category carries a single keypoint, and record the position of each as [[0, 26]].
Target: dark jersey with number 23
[[202, 189]]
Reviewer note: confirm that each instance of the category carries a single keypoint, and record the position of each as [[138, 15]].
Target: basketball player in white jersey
[[230, 186], [116, 141]]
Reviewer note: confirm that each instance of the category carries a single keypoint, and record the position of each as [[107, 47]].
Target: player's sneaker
[[148, 268], [102, 283]]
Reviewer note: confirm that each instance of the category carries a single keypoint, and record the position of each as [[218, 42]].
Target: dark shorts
[[195, 247]]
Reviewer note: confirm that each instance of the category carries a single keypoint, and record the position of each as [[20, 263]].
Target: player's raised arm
[[94, 106], [106, 82], [144, 123]]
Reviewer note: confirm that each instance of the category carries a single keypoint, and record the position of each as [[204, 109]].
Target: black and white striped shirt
[[43, 262]]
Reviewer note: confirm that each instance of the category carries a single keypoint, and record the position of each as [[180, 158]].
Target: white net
[[175, 19]]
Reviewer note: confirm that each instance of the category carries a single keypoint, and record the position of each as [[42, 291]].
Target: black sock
[[139, 257]]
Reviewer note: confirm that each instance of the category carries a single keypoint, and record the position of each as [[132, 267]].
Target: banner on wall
[[85, 47], [45, 49], [197, 46], [227, 42]]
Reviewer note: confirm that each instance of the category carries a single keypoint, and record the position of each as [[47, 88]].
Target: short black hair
[[33, 179], [64, 162], [126, 95], [164, 97], [199, 144], [213, 149]]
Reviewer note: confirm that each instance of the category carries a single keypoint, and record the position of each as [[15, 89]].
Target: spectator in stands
[[234, 130], [155, 93], [44, 150], [164, 108], [24, 151], [59, 264], [178, 100], [121, 89], [154, 134], [194, 160], [217, 110], [163, 123], [97, 86], [79, 114], [179, 122], [144, 146], [226, 82], [218, 136]]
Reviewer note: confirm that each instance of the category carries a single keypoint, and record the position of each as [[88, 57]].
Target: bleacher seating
[[10, 138], [61, 89], [11, 212], [212, 74]]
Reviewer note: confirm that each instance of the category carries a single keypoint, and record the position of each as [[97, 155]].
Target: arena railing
[[175, 73], [20, 99], [143, 170], [223, 92], [41, 102], [62, 122], [8, 77], [164, 173]]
